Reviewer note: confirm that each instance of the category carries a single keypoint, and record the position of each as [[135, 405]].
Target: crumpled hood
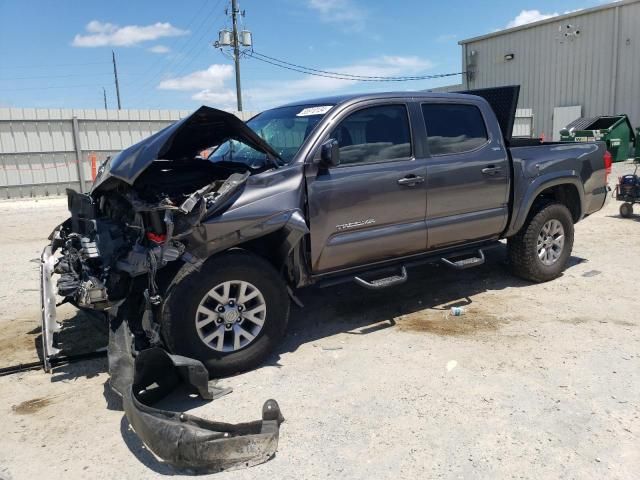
[[182, 140]]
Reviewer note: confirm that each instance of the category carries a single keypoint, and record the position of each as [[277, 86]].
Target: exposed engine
[[124, 232]]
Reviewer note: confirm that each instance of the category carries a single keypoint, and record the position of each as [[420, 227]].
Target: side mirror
[[330, 154]]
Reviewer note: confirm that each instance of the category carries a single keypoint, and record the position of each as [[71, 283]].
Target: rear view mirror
[[330, 154]]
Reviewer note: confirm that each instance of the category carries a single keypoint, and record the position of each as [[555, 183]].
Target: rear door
[[372, 207], [467, 173]]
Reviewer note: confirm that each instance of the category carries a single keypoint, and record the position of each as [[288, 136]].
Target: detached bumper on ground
[[183, 440]]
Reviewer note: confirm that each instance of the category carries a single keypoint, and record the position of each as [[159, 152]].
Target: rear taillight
[[608, 161]]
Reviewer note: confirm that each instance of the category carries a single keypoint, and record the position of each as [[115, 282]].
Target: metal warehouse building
[[581, 64]]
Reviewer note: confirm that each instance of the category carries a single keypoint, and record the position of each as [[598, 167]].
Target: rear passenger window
[[453, 128], [374, 134]]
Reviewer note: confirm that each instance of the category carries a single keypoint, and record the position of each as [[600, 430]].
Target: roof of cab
[[338, 99]]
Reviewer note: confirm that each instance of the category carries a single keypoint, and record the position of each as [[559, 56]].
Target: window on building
[[374, 134], [453, 128]]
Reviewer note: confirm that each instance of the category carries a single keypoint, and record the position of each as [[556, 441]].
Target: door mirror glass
[[330, 154]]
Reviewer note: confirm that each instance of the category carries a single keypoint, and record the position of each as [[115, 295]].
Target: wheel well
[[565, 194], [266, 247], [270, 248]]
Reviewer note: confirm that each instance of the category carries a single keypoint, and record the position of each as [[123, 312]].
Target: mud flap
[[180, 439]]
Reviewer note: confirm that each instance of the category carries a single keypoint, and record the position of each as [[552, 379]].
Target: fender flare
[[537, 186], [291, 224]]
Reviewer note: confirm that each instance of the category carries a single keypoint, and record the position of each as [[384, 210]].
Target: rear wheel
[[229, 315], [540, 250], [626, 210]]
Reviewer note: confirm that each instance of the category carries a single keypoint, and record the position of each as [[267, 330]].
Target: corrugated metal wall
[[42, 152], [555, 71]]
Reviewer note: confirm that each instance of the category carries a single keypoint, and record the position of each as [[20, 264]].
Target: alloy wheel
[[230, 316]]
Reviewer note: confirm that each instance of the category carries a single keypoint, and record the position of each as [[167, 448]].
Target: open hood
[[182, 140]]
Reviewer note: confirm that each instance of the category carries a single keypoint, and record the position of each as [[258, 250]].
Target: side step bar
[[385, 282], [465, 262]]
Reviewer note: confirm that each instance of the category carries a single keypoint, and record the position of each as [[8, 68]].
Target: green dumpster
[[637, 142], [615, 130]]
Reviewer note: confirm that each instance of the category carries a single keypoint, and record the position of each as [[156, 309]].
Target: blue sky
[[58, 54]]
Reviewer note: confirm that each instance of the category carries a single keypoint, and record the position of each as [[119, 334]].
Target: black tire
[[626, 210], [522, 248], [189, 287]]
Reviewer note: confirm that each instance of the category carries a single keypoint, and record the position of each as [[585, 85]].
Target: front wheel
[[540, 250], [229, 315]]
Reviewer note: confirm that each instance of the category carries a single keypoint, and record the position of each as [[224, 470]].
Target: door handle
[[491, 170], [411, 180]]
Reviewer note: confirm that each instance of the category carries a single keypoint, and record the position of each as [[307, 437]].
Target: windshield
[[283, 128]]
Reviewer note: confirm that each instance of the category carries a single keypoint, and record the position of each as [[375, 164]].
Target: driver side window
[[374, 134]]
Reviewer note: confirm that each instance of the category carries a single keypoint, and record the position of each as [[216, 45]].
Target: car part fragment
[[48, 308], [180, 439]]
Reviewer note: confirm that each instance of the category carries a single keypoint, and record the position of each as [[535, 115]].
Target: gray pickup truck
[[202, 254]]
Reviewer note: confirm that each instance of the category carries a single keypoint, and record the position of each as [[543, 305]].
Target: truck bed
[[542, 163]]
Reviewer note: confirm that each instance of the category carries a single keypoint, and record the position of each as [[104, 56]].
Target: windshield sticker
[[314, 111]]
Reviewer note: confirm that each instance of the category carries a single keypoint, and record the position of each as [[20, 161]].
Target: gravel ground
[[534, 381]]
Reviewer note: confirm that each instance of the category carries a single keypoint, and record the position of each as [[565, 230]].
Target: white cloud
[[529, 16], [101, 34], [212, 78], [159, 49], [344, 12], [225, 98]]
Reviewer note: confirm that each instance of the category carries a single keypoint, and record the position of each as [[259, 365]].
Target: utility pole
[[236, 50], [235, 39], [104, 96], [115, 74]]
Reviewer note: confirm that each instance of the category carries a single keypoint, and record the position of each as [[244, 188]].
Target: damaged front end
[[129, 234], [140, 217], [115, 243]]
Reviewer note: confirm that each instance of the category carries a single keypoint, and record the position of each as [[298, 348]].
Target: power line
[[49, 87], [179, 58], [151, 77], [41, 66], [180, 67], [342, 76], [70, 75], [158, 62]]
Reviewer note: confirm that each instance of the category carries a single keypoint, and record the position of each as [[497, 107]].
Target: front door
[[372, 206], [467, 174]]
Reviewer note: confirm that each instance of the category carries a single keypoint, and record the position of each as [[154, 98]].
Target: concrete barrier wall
[[44, 151]]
